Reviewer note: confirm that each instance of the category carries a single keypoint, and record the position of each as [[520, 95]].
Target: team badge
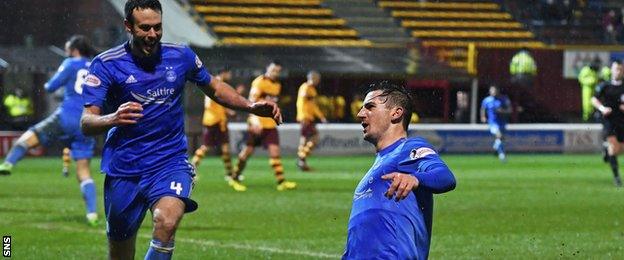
[[421, 152], [92, 81], [171, 75]]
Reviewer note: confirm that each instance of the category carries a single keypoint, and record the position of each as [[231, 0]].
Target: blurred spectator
[[588, 78], [462, 112], [339, 104], [522, 68], [325, 105], [20, 109], [356, 105], [415, 118], [523, 71], [605, 73]]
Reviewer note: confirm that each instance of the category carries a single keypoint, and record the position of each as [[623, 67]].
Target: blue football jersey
[[382, 228], [70, 76], [157, 141], [491, 104]]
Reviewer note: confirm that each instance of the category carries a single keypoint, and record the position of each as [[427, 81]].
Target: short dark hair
[[618, 62], [141, 4], [82, 44], [397, 96]]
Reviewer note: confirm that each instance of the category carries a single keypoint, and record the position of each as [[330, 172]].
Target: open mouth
[[364, 125]]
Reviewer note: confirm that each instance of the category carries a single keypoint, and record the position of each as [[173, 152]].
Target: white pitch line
[[209, 243]]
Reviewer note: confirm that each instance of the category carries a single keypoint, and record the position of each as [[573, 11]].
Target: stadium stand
[[450, 26], [277, 23], [564, 22]]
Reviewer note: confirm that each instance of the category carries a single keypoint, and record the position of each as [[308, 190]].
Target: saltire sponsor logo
[[157, 96]]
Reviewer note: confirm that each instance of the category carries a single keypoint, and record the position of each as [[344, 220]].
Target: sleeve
[[197, 72], [62, 75], [96, 84], [303, 91], [256, 90], [432, 173]]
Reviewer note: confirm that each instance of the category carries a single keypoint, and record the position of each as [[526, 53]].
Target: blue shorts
[[380, 234], [497, 128], [50, 130], [127, 199]]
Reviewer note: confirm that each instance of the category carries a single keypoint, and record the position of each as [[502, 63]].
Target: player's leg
[[82, 152], [199, 155], [309, 139], [166, 216], [227, 160], [66, 161], [613, 150], [223, 142], [169, 196], [125, 209], [87, 187], [272, 144], [500, 149], [40, 134], [253, 140], [26, 141]]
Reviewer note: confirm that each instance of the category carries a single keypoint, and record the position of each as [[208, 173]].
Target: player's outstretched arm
[[92, 123], [225, 95], [438, 178]]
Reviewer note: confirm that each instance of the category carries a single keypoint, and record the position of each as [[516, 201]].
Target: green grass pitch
[[534, 206]]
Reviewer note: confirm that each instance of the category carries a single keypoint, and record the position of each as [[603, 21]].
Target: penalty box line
[[209, 243]]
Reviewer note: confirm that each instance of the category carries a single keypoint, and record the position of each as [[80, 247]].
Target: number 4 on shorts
[[176, 186]]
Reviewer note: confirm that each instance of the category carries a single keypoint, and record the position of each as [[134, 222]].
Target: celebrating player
[[392, 207], [216, 130], [263, 131], [495, 110], [145, 154], [608, 100], [307, 112], [64, 124]]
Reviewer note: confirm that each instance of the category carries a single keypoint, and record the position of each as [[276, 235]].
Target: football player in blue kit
[[495, 110], [134, 92], [64, 123], [392, 210]]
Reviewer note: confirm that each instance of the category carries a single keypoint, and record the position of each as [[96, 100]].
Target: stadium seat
[[442, 5], [262, 10], [277, 23], [261, 2], [462, 24], [449, 27], [271, 21]]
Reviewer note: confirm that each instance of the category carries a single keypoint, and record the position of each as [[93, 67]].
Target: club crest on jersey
[[198, 62], [421, 152], [92, 81], [170, 75]]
